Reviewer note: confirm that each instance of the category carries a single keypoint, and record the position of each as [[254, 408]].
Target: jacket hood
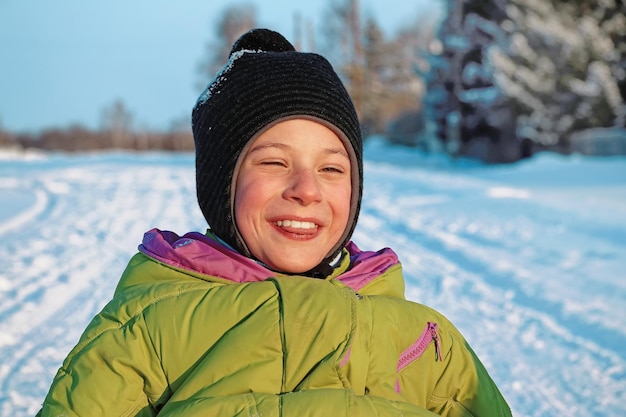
[[207, 258]]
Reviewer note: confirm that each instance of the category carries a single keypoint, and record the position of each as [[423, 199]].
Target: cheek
[[251, 199], [340, 203], [245, 203]]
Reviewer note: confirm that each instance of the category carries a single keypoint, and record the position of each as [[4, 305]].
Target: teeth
[[296, 224]]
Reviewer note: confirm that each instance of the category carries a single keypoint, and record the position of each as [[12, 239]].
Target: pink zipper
[[416, 350]]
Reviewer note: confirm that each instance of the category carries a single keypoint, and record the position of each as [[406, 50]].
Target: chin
[[295, 267], [291, 260], [293, 270]]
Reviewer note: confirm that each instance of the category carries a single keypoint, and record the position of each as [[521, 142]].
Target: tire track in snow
[[69, 257], [25, 217], [478, 240], [54, 274]]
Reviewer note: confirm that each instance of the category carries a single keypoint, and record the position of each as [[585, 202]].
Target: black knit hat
[[265, 81]]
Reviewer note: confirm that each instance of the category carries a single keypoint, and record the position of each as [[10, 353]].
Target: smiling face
[[292, 195]]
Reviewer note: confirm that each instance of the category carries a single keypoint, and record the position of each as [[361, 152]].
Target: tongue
[[298, 230]]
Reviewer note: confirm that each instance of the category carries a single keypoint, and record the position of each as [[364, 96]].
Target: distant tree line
[[81, 139], [496, 80], [116, 132]]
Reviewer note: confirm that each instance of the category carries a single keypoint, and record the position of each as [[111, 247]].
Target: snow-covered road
[[528, 260]]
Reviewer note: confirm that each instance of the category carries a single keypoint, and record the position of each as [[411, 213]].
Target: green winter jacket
[[195, 329]]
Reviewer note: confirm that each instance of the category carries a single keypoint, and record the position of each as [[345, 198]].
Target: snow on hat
[[265, 81]]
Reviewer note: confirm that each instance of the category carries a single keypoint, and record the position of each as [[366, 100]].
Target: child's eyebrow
[[333, 151], [264, 146], [284, 146]]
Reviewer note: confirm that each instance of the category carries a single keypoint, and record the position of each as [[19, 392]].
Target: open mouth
[[297, 229], [296, 224]]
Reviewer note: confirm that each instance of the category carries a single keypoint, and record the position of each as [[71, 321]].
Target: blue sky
[[64, 61]]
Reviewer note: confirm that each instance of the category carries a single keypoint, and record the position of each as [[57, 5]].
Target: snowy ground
[[528, 260]]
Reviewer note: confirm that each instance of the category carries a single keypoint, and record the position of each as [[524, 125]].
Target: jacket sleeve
[[111, 372], [466, 389], [307, 403]]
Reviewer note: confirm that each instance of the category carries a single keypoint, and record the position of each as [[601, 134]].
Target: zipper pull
[[433, 327]]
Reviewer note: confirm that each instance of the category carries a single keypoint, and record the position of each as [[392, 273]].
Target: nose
[[303, 188]]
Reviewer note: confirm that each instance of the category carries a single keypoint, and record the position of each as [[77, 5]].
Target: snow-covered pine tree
[[518, 74], [560, 67], [472, 116]]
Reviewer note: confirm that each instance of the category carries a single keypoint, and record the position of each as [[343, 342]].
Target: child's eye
[[273, 162], [333, 169]]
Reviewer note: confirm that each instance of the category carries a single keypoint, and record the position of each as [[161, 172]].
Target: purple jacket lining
[[199, 253]]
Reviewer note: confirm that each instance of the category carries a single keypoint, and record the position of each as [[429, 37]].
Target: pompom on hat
[[264, 82]]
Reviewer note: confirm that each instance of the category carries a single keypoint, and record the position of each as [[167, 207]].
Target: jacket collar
[[207, 256]]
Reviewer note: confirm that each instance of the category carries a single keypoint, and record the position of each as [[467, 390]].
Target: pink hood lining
[[199, 253]]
